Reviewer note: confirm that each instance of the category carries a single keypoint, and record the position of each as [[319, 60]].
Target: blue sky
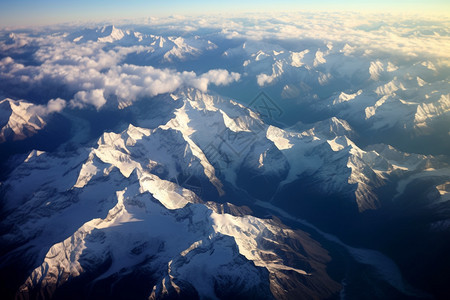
[[39, 12]]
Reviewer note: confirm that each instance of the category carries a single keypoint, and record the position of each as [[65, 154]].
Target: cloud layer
[[410, 35], [53, 106], [97, 71], [95, 74]]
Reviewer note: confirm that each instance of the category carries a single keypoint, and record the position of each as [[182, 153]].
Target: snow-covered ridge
[[167, 48], [226, 247], [104, 34], [20, 119], [387, 94], [428, 111], [213, 138], [216, 135], [126, 198], [157, 218], [129, 210]]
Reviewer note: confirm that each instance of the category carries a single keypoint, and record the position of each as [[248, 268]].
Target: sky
[[44, 12]]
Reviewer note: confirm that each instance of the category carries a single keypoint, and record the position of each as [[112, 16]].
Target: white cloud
[[56, 105], [263, 79], [93, 97], [396, 34], [6, 61], [8, 66], [52, 106], [221, 77], [95, 75], [14, 42], [129, 82]]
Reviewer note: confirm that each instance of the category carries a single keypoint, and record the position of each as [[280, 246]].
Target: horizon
[[211, 150], [27, 13]]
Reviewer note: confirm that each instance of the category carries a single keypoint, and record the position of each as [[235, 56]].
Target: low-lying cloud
[[129, 83], [94, 75], [53, 106], [98, 74]]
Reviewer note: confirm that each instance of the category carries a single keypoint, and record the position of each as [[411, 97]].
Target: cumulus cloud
[[400, 34], [53, 106], [94, 97], [221, 77], [128, 83], [13, 42], [263, 79], [95, 75], [6, 61], [8, 66]]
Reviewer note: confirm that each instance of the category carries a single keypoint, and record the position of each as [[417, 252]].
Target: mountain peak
[[20, 119], [107, 29], [110, 34]]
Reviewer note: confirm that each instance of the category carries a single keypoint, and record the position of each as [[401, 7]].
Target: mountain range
[[150, 181]]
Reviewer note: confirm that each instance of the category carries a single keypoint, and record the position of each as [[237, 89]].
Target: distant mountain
[[375, 95], [105, 34], [167, 48]]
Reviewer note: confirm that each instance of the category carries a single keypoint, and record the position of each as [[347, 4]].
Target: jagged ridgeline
[[145, 163]]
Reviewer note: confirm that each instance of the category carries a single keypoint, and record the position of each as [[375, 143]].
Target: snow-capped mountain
[[104, 34], [18, 120], [128, 198], [377, 95], [132, 211], [237, 254], [161, 175], [234, 138], [215, 139], [426, 112], [163, 48], [180, 48]]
